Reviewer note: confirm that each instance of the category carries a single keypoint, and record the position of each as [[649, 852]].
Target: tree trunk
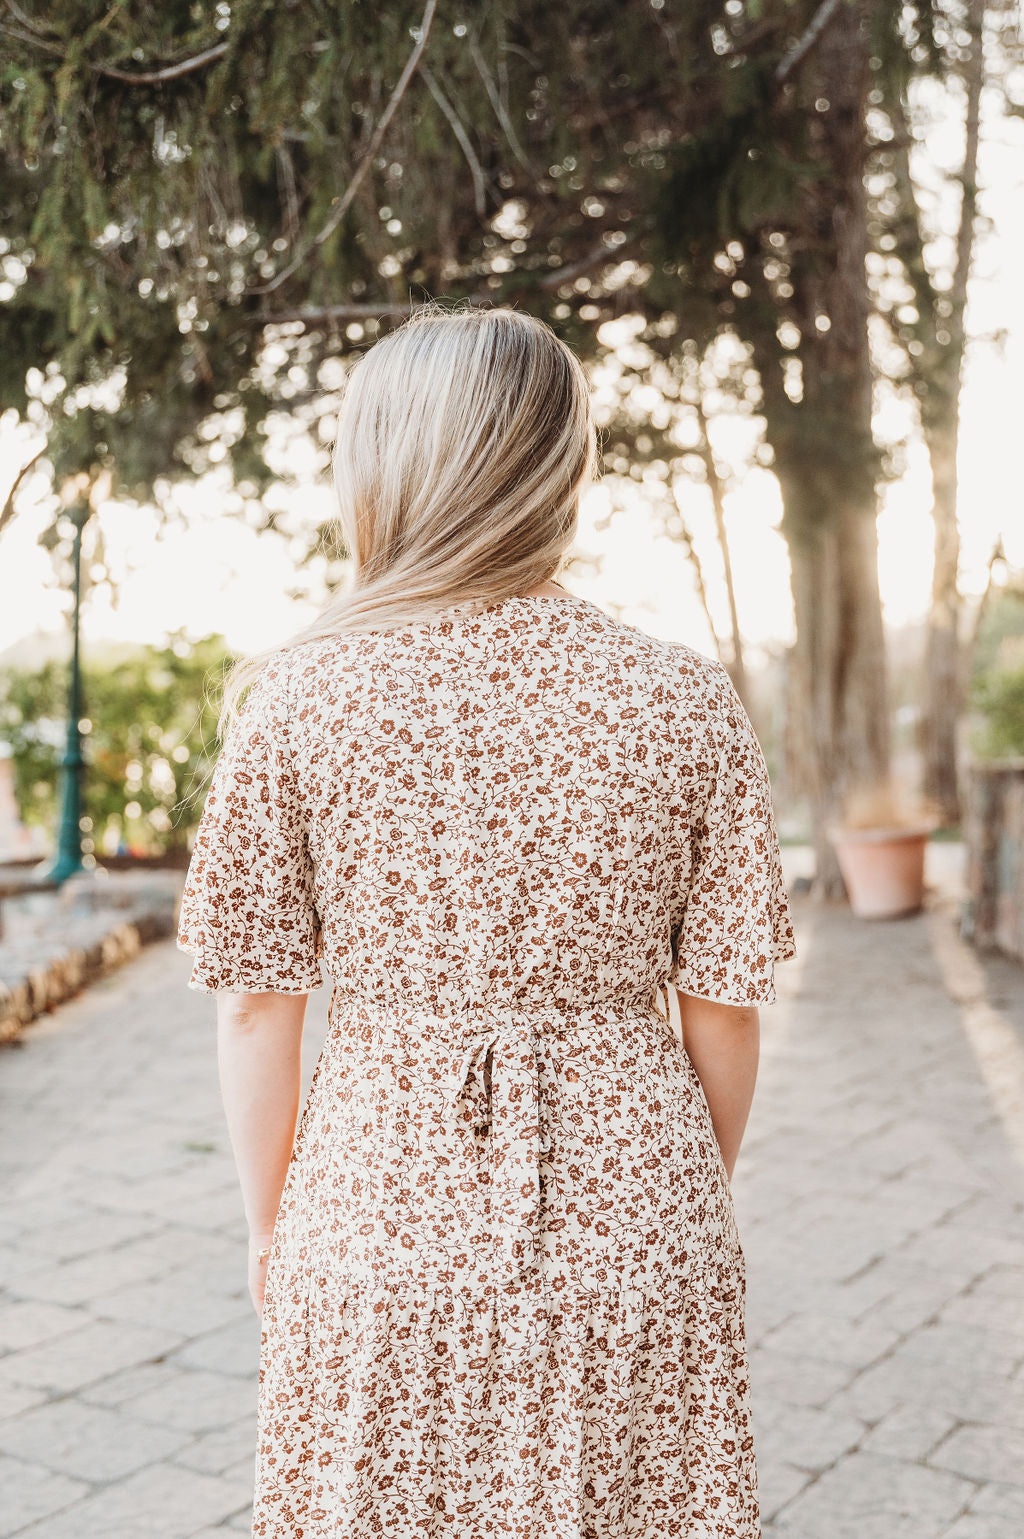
[[737, 662], [840, 740], [943, 694], [940, 415], [826, 459]]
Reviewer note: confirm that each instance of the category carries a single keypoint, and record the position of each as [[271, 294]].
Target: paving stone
[[97, 1231], [964, 1348], [15, 1398], [231, 1349], [26, 1322], [87, 1278], [31, 1492], [214, 1452], [242, 1475], [28, 1214], [120, 1388], [982, 1453], [980, 1525], [959, 1390], [161, 1502], [866, 1494], [909, 1432], [834, 1338], [1000, 1281], [196, 1401], [1001, 1313], [778, 1484], [959, 1249], [796, 1379], [86, 1441], [16, 1263], [997, 1512], [80, 1357], [182, 1302], [803, 1436]]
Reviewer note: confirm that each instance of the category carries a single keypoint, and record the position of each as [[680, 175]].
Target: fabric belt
[[494, 1091], [497, 1080]]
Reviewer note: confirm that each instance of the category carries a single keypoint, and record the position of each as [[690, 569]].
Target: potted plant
[[880, 843]]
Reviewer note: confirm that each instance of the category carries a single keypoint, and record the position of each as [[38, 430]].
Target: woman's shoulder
[[677, 670]]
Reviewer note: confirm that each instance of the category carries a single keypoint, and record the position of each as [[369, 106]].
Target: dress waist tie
[[496, 1082]]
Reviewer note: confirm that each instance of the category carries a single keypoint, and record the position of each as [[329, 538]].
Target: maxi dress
[[506, 1291]]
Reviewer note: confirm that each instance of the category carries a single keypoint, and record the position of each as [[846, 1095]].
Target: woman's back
[[530, 801]]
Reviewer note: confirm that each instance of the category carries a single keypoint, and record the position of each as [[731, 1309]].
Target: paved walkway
[[880, 1193]]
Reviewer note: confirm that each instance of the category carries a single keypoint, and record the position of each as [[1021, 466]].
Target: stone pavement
[[880, 1196]]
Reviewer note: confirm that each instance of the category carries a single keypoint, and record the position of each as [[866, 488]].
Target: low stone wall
[[993, 911], [55, 943]]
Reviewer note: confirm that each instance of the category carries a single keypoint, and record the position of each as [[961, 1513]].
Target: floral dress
[[505, 1294]]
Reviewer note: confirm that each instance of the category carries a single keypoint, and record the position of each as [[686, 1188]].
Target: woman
[[503, 1285]]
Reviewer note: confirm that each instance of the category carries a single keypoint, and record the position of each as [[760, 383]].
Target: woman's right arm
[[259, 1052], [723, 1043]]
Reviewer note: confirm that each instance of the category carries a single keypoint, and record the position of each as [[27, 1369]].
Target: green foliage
[[170, 226], [1001, 635], [151, 742], [999, 697], [155, 217], [997, 679]]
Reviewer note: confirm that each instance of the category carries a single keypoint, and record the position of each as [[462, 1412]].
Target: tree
[[923, 297], [783, 255], [206, 220]]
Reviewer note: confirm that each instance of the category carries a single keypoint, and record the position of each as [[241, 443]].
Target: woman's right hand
[[258, 1270]]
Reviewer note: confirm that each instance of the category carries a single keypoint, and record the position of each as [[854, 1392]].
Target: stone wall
[[54, 943], [993, 913]]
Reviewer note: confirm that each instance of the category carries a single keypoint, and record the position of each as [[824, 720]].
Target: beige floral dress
[[505, 1295]]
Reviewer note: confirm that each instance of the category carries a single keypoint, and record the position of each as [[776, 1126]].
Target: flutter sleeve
[[736, 923], [247, 910]]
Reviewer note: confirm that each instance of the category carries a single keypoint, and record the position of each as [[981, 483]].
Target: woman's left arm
[[259, 1056], [723, 1043]]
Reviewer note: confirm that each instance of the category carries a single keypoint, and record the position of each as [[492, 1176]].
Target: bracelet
[[263, 1253]]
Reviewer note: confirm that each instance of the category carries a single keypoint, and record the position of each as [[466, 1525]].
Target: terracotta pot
[[883, 869]]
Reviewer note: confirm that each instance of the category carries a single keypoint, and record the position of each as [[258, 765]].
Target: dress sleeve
[[247, 910], [736, 923]]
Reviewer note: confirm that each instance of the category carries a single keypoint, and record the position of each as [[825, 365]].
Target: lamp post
[[68, 858]]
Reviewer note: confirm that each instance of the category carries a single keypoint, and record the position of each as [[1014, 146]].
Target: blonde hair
[[464, 440]]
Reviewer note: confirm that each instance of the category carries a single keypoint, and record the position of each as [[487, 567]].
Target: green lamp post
[[68, 859]]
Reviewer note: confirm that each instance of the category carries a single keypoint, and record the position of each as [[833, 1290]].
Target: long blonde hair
[[464, 440]]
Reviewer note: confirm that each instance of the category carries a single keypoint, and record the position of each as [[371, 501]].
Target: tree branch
[[315, 315], [499, 108], [38, 39], [463, 140], [376, 139], [593, 258], [802, 47], [973, 75], [26, 21], [169, 71], [7, 511]]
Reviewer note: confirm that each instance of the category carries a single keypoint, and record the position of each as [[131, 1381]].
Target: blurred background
[[786, 239]]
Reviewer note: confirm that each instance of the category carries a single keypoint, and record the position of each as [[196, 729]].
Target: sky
[[210, 571]]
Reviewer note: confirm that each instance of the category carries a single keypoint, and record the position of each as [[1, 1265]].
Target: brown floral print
[[506, 1290]]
